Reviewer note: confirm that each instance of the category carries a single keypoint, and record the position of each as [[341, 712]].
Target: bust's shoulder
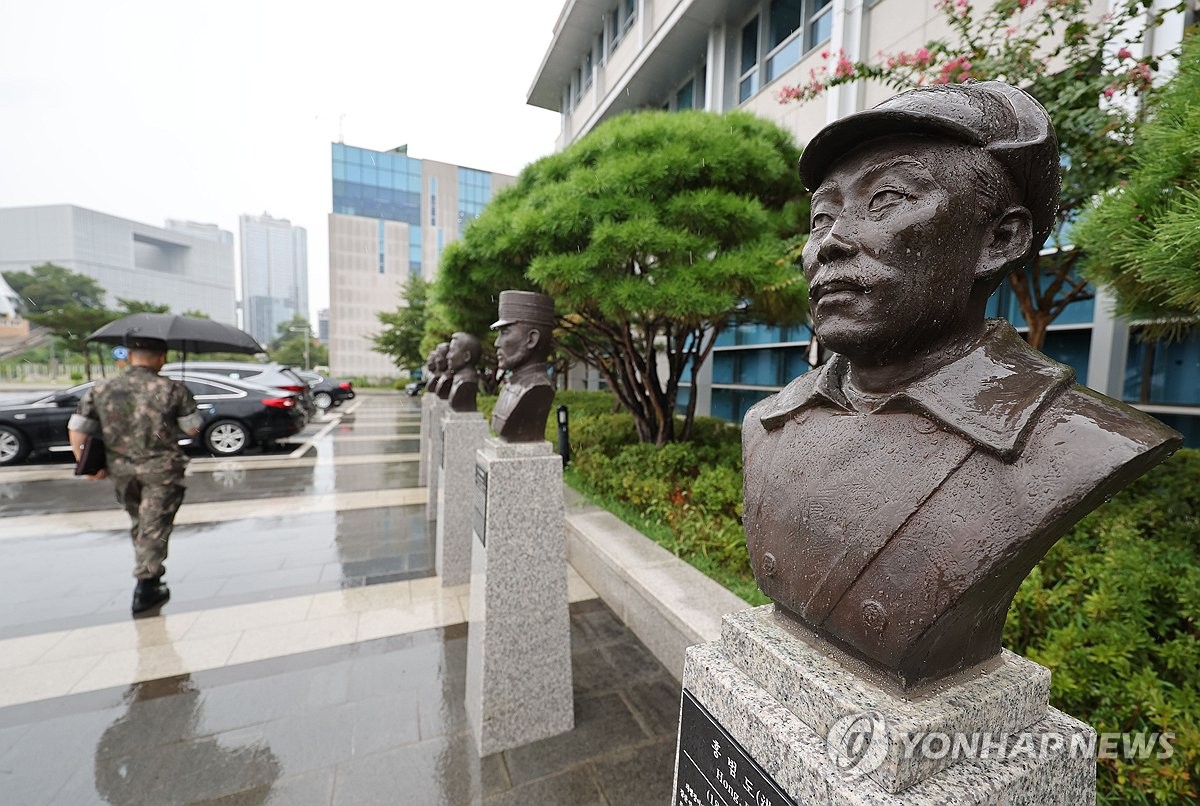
[[1090, 432], [1087, 413]]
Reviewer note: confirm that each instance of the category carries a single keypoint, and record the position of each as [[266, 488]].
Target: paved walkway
[[307, 655]]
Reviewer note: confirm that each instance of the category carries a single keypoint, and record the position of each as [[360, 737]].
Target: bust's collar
[[991, 396], [528, 373]]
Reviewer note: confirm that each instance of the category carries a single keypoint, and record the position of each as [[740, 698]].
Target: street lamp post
[[307, 341]]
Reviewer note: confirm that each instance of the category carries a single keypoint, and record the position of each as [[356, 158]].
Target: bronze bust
[[522, 347], [896, 497], [465, 352], [430, 370], [444, 378]]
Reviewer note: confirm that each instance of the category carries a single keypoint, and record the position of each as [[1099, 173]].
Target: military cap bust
[[526, 323], [896, 497], [465, 352]]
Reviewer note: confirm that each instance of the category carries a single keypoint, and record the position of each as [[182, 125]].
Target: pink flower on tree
[[1124, 53]]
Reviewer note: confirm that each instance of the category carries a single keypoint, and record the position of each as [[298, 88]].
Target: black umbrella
[[186, 333]]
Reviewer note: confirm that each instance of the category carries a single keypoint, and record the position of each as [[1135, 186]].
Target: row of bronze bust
[[525, 324]]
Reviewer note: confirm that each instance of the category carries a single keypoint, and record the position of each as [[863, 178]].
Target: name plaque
[[714, 770], [481, 481]]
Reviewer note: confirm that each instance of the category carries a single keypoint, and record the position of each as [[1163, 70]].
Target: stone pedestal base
[[826, 735], [434, 462], [427, 404], [519, 644], [463, 433]]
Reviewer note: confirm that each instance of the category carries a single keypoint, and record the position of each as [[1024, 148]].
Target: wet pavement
[[305, 657]]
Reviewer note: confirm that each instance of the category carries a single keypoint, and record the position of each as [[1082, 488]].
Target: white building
[[186, 266], [274, 260], [392, 217], [613, 56]]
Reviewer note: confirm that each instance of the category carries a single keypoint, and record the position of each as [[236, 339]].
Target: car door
[[213, 398], [46, 421]]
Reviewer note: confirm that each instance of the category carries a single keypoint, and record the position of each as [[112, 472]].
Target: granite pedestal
[[463, 433], [434, 462], [427, 404], [826, 735], [518, 686]]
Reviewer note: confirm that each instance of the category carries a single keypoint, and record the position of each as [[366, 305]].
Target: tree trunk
[[1037, 322]]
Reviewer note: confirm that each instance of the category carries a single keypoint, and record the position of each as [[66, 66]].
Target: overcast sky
[[156, 109]]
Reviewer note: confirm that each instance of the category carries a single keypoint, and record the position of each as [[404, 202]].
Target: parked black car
[[276, 376], [326, 392], [236, 414]]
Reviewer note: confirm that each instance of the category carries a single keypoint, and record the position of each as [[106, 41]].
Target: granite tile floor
[[304, 658]]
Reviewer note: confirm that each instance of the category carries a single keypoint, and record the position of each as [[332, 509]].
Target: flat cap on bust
[[525, 306], [1006, 122]]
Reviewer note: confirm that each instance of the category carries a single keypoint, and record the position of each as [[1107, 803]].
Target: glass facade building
[[392, 215]]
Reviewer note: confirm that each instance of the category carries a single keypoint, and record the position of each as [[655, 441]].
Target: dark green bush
[[1113, 611]]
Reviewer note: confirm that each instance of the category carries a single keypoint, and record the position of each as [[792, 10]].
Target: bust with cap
[[896, 497], [462, 357], [526, 322]]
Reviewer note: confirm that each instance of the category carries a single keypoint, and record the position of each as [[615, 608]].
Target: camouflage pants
[[151, 504]]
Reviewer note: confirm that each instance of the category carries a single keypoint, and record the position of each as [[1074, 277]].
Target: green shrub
[[603, 433], [1114, 611]]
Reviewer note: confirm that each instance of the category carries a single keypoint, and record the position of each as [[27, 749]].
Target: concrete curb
[[666, 602]]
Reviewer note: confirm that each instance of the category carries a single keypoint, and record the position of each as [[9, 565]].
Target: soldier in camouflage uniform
[[140, 415]]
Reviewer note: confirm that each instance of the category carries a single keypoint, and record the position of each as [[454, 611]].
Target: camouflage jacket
[[139, 415]]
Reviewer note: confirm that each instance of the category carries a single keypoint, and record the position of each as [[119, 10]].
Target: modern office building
[[323, 326], [186, 266], [274, 257], [608, 57], [392, 217]]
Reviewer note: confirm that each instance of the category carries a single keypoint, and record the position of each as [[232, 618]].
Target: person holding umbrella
[[139, 415]]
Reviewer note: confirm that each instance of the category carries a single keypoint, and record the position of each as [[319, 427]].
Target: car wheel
[[226, 438], [323, 400], [14, 447]]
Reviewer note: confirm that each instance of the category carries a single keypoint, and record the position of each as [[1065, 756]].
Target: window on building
[[684, 98], [794, 27], [474, 191], [820, 23], [433, 201], [587, 71], [630, 14], [614, 30], [748, 70], [382, 247], [414, 251]]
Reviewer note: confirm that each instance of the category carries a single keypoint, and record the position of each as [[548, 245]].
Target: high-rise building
[[323, 326], [274, 274], [392, 217], [721, 55], [185, 265]]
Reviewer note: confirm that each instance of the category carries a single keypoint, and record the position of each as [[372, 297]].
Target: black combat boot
[[149, 594]]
